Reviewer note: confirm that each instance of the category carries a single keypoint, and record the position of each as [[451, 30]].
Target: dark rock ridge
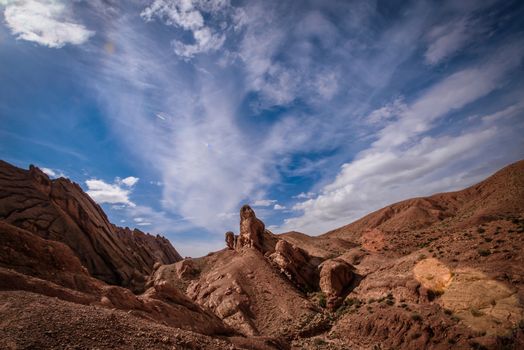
[[60, 210]]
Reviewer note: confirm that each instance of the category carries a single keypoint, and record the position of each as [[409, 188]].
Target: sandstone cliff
[[59, 210]]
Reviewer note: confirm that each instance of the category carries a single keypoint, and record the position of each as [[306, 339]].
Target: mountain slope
[[500, 195], [441, 272], [59, 210]]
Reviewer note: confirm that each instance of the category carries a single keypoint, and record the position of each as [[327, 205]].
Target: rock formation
[[59, 210], [253, 233], [335, 276], [297, 265], [230, 240], [439, 272], [33, 264], [251, 229]]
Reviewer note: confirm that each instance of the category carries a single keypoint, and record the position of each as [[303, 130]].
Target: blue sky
[[173, 113]]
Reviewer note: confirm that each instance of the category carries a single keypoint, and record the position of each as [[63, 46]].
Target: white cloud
[[53, 173], [279, 207], [264, 202], [462, 27], [446, 39], [384, 178], [452, 93], [130, 181], [49, 172], [209, 161], [304, 195], [211, 158], [189, 15], [102, 192], [403, 162], [144, 223], [386, 113], [45, 22], [279, 62]]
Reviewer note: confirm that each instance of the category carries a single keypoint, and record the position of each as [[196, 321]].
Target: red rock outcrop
[[59, 210], [297, 265], [230, 240], [335, 276], [251, 229], [50, 268], [244, 290]]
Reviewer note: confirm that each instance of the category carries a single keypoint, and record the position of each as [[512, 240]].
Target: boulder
[[335, 277], [296, 264]]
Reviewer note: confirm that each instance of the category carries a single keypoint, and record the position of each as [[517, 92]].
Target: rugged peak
[[60, 210], [251, 229], [253, 233], [42, 181]]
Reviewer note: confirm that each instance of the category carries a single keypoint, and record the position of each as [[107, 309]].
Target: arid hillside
[[59, 210], [441, 272]]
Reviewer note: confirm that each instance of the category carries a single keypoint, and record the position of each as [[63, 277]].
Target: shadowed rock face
[[59, 210], [50, 268], [297, 265], [230, 240]]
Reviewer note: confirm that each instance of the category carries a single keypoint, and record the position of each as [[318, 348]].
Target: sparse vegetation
[[476, 312], [416, 317], [484, 252], [319, 341], [322, 300]]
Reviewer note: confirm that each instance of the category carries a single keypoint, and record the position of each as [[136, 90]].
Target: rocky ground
[[441, 272]]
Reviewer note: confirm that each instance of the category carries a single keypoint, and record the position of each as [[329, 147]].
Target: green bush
[[322, 300]]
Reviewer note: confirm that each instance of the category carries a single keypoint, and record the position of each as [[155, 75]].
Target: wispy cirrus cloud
[[211, 158], [221, 103], [404, 158]]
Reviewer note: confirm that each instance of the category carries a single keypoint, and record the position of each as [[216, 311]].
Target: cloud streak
[[236, 102], [404, 158]]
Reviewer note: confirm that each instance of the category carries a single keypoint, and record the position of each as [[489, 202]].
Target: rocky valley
[[440, 272]]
